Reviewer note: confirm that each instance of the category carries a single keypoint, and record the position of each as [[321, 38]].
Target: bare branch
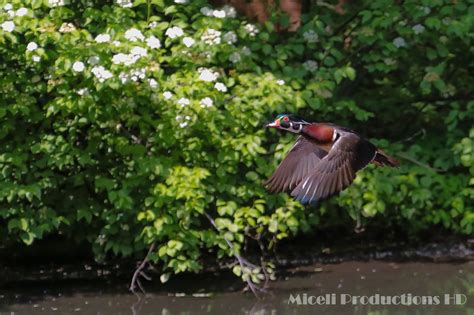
[[140, 273], [408, 158]]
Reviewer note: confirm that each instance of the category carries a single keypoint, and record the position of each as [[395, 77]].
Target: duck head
[[288, 123]]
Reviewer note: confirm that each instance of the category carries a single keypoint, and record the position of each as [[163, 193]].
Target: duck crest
[[320, 132]]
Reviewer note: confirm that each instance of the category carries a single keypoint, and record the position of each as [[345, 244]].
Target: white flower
[[206, 102], [188, 41], [174, 32], [211, 37], [251, 29], [138, 74], [102, 38], [125, 3], [310, 36], [83, 91], [206, 54], [167, 95], [133, 35], [207, 75], [230, 37], [124, 77], [78, 66], [183, 102], [138, 51], [134, 78], [399, 42], [220, 87], [153, 42], [218, 14], [246, 51], [206, 11], [235, 57], [56, 3], [21, 12], [101, 73], [11, 13], [126, 59], [280, 82], [8, 26], [153, 83], [32, 46], [93, 60], [153, 24], [389, 61], [67, 28], [180, 1], [418, 29], [36, 58], [8, 7], [116, 43], [229, 11], [183, 120], [310, 65]]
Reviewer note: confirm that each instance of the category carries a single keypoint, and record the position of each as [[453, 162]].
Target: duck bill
[[274, 124]]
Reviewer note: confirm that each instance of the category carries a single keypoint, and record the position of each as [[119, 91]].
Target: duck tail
[[383, 159]]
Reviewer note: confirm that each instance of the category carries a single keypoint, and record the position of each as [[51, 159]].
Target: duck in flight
[[323, 161]]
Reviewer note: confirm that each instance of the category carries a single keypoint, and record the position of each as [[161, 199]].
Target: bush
[[122, 124]]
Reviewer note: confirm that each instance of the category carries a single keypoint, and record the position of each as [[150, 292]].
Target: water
[[221, 294]]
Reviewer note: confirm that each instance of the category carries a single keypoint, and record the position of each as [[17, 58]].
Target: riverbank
[[58, 263]]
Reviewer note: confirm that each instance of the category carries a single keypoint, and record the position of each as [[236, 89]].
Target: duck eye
[[286, 118]]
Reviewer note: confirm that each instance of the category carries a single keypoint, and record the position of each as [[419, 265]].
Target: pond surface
[[221, 294]]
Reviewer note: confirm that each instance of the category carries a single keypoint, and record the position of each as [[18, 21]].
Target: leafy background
[[119, 147]]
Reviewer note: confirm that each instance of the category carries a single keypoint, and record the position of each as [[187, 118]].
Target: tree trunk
[[293, 9], [259, 10]]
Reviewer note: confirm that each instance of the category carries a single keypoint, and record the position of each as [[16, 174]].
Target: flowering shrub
[[122, 123]]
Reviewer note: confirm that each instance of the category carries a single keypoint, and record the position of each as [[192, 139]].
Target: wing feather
[[299, 162], [336, 170]]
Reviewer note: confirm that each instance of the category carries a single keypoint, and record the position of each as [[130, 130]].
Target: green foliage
[[122, 142]]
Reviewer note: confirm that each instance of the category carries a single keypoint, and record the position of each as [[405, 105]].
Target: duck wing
[[299, 162], [337, 169]]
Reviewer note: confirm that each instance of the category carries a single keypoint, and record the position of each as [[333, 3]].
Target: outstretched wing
[[300, 160], [336, 170]]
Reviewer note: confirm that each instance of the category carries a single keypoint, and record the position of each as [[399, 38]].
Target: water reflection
[[188, 295]]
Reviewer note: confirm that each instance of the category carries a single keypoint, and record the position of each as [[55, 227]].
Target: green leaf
[[351, 74], [273, 226], [27, 238], [36, 4], [329, 61], [267, 49], [21, 224], [84, 214]]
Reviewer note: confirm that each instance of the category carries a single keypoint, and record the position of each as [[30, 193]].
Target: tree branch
[[140, 273], [408, 158]]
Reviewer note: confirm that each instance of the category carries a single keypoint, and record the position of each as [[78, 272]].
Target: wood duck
[[323, 161]]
